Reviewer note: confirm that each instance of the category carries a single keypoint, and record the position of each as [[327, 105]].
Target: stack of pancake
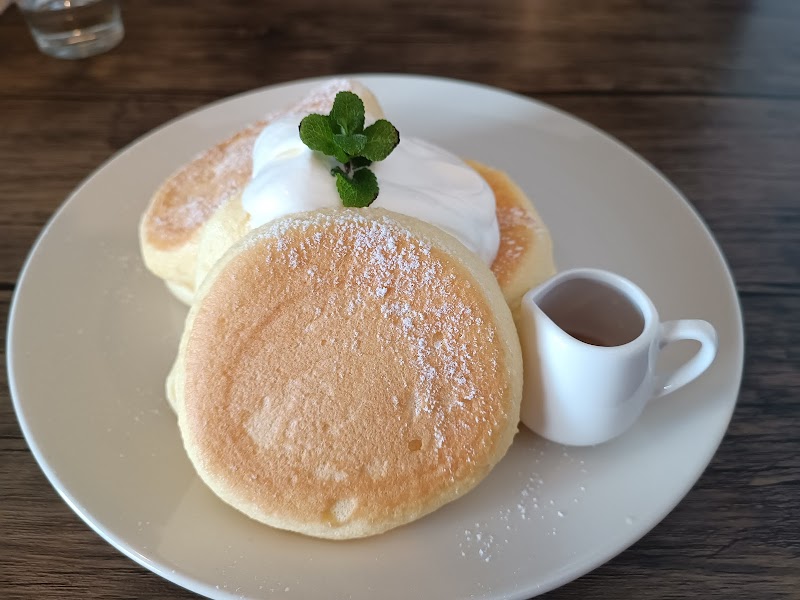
[[341, 371]]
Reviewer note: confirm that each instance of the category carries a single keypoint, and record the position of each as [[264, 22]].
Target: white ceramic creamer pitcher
[[590, 341]]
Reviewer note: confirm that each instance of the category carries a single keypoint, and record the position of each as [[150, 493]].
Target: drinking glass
[[73, 28]]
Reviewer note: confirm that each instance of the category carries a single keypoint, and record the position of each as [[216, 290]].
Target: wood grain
[[708, 91], [710, 47]]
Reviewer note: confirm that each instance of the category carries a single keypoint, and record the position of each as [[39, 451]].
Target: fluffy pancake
[[346, 371], [196, 214], [170, 227], [524, 258]]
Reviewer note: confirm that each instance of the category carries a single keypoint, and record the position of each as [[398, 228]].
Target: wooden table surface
[[708, 91]]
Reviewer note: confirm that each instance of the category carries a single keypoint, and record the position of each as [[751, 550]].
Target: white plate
[[92, 335]]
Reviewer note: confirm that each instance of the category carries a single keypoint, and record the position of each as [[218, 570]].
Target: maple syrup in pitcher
[[590, 341], [593, 312]]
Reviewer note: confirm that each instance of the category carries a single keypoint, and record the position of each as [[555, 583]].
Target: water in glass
[[73, 28]]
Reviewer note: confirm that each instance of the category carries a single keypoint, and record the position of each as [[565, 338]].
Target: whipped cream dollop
[[417, 179]]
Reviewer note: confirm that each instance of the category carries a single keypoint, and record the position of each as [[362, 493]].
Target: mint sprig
[[342, 135]]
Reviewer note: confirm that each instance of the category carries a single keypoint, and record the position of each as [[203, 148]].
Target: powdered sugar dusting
[[379, 266], [538, 505], [515, 216], [320, 99], [189, 198], [191, 195], [189, 215], [509, 218]]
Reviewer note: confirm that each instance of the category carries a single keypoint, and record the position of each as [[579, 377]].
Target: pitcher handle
[[687, 329]]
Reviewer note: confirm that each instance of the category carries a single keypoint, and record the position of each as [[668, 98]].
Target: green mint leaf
[[316, 133], [357, 162], [341, 134], [382, 138], [353, 144], [348, 113], [340, 154], [358, 192]]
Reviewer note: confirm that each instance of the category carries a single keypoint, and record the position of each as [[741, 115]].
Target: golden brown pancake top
[[518, 226], [345, 368], [190, 196]]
